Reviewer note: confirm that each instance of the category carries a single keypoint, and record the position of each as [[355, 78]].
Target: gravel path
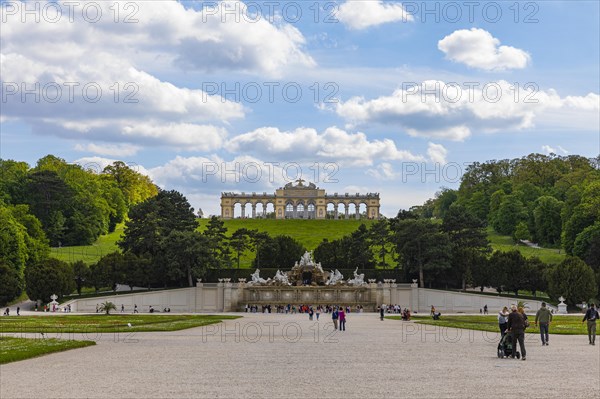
[[288, 356]]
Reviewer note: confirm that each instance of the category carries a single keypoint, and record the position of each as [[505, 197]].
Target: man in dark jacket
[[544, 316], [516, 326], [591, 316]]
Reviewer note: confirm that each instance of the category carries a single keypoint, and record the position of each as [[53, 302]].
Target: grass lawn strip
[[564, 325], [14, 349], [104, 323]]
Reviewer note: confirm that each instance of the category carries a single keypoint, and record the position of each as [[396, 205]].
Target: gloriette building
[[300, 201]]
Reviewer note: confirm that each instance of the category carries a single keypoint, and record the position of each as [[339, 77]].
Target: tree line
[[442, 243], [56, 203]]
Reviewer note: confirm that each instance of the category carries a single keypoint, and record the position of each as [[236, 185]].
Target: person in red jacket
[[342, 317]]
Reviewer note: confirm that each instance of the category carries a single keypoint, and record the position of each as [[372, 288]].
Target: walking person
[[135, 310], [591, 316], [122, 308], [342, 317], [18, 311], [516, 326], [318, 312], [544, 316], [485, 309], [381, 312], [334, 318], [503, 321]]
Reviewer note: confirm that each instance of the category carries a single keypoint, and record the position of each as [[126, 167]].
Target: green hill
[[105, 244], [308, 232], [506, 243]]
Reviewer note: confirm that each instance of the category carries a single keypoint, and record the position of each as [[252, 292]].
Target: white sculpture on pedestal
[[359, 279], [562, 307], [256, 279], [281, 278], [334, 277]]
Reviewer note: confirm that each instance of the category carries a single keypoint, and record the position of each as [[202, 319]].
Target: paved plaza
[[280, 356]]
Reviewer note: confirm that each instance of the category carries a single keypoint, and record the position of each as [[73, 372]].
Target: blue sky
[[366, 92]]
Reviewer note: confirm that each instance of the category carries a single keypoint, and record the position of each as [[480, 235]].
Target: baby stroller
[[506, 347]]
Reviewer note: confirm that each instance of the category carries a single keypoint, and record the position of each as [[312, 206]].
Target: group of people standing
[[516, 321], [338, 314]]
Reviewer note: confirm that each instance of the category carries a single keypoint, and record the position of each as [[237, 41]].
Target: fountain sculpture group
[[307, 272]]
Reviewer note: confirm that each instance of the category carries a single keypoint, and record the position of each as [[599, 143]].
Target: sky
[[355, 96]]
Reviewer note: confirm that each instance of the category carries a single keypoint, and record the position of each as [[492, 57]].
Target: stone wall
[[231, 297]]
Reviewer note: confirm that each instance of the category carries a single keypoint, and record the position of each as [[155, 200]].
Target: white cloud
[[383, 171], [551, 150], [548, 149], [436, 109], [333, 145], [562, 150], [437, 153], [117, 60], [116, 150], [364, 14], [477, 48]]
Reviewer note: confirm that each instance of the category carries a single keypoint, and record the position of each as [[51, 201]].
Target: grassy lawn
[[308, 232], [567, 325], [103, 323], [14, 349], [505, 243], [90, 253]]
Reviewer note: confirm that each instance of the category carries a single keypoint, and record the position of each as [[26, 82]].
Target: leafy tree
[[469, 240], [261, 243], [521, 232], [100, 276], [508, 271], [51, 201], [155, 218], [481, 273], [50, 276], [134, 186], [134, 270], [106, 307], [288, 251], [220, 252], [547, 219], [11, 283], [584, 214], [330, 254], [81, 273], [422, 246], [380, 240], [478, 205], [536, 275], [240, 242], [278, 252], [444, 199], [12, 183], [587, 246], [187, 253], [108, 271], [572, 279], [13, 249], [510, 212], [35, 238], [357, 247]]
